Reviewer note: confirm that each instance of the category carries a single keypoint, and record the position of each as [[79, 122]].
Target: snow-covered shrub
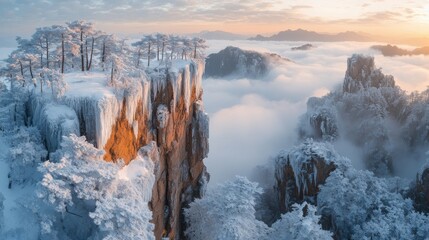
[[300, 224], [12, 109], [53, 79], [26, 152], [87, 197], [226, 212], [362, 206], [124, 212]]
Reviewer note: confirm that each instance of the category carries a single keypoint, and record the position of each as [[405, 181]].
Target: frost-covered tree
[[86, 197], [124, 214], [359, 205], [53, 79], [173, 44], [199, 45], [74, 178], [186, 47], [30, 59], [26, 152], [226, 212], [15, 70], [300, 224], [120, 64], [145, 48], [83, 31], [47, 39], [161, 41]]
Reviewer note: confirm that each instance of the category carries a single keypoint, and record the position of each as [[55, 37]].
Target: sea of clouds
[[252, 120]]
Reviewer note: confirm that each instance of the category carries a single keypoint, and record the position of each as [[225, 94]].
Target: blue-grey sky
[[396, 18]]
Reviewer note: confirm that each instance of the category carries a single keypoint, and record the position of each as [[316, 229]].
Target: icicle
[[187, 87], [133, 95], [53, 120], [136, 129]]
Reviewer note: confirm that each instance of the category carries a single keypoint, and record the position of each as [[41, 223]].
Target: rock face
[[362, 74], [237, 63], [323, 114], [166, 107], [181, 132], [392, 50], [320, 121], [300, 171], [304, 47]]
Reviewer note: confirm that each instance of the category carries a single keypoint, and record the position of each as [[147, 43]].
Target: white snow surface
[[18, 220], [142, 168], [88, 84]]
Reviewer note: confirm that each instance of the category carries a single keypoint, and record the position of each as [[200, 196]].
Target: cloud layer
[[252, 120]]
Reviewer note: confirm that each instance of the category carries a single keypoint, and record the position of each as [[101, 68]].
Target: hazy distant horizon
[[10, 42], [396, 20]]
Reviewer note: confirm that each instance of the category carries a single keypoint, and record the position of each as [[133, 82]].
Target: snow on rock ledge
[[300, 171]]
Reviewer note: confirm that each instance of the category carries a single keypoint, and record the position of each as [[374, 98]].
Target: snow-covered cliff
[[164, 105], [300, 171]]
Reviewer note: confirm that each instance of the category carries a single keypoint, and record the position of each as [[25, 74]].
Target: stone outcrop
[[181, 132], [300, 171], [362, 74], [234, 62], [320, 121], [164, 106]]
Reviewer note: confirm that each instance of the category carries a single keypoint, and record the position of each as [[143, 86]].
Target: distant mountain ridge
[[311, 36], [393, 50], [219, 35]]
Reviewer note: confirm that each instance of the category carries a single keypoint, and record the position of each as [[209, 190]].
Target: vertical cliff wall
[[164, 105]]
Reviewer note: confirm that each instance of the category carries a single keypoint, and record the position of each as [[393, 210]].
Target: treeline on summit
[[79, 46]]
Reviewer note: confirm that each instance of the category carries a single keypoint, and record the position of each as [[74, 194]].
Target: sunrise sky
[[397, 19]]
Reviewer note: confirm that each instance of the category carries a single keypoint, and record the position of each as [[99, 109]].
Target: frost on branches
[[372, 113], [26, 153], [300, 224], [226, 212], [64, 65], [362, 206], [86, 197]]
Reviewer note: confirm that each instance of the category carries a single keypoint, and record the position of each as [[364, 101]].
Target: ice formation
[[91, 108], [305, 155], [53, 120]]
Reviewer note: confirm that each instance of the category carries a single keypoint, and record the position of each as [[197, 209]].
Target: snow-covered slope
[[16, 222]]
